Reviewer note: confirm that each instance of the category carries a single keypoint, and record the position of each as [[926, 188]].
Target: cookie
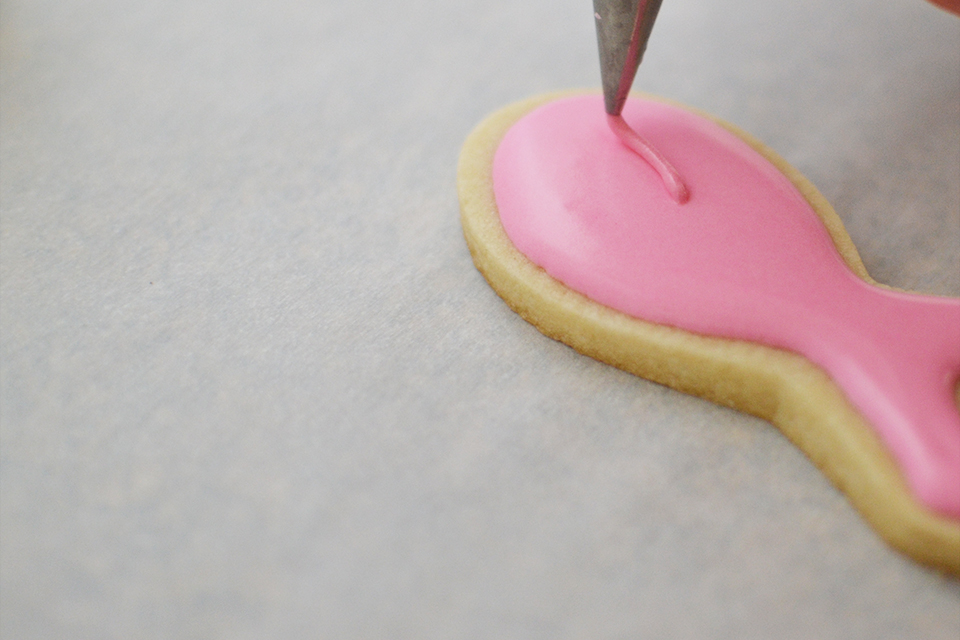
[[751, 294]]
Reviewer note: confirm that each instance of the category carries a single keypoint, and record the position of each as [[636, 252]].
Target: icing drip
[[671, 179], [746, 258]]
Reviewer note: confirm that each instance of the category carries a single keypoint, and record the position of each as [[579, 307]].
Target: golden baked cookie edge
[[781, 387]]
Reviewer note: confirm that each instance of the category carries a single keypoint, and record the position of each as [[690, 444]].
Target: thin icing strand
[[635, 142]]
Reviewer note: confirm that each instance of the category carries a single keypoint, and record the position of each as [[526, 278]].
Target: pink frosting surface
[[746, 257]]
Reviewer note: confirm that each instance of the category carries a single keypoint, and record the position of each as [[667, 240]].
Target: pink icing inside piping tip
[[745, 258]]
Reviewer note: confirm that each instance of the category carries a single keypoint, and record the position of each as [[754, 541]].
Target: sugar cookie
[[751, 295]]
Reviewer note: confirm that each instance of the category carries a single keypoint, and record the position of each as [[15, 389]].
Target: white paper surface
[[252, 386]]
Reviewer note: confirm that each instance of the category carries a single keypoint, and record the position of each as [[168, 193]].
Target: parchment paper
[[253, 387]]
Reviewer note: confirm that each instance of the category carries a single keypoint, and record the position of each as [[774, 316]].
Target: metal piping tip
[[623, 28]]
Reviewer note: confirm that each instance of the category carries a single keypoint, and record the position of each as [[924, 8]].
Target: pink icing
[[746, 257], [635, 142]]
